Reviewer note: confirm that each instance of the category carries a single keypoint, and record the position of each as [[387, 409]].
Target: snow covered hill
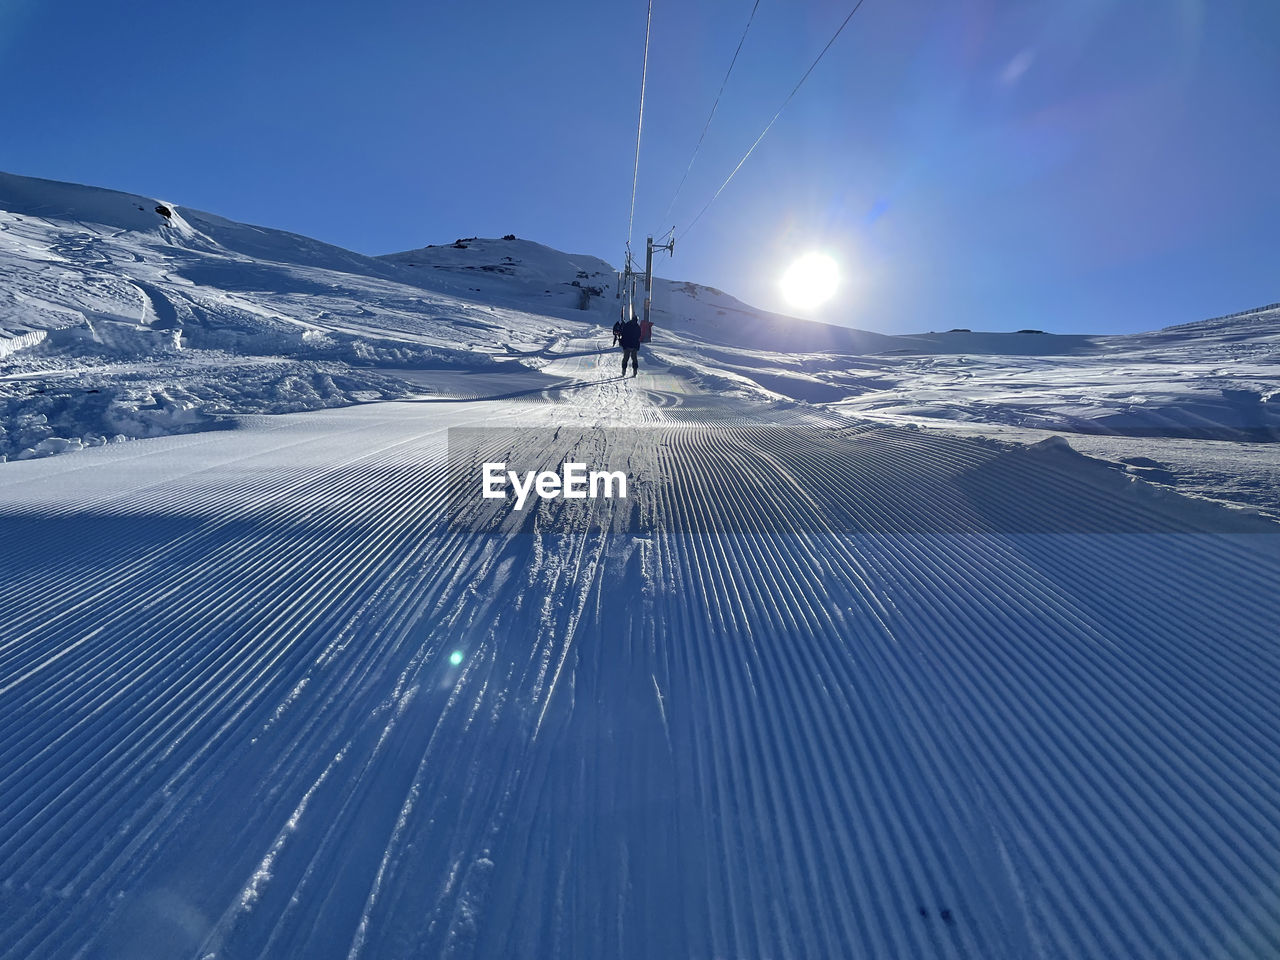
[[177, 319], [118, 320], [94, 276], [871, 663]]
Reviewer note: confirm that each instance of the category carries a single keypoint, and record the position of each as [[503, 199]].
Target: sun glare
[[810, 281]]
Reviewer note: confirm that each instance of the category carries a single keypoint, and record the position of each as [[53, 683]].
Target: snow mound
[[55, 202]]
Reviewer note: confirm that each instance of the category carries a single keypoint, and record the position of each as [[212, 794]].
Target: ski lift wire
[[770, 124], [711, 115], [644, 75]]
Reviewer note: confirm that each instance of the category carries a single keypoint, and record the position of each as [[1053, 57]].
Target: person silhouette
[[630, 338]]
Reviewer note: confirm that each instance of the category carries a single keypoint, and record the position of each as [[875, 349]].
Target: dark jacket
[[631, 334]]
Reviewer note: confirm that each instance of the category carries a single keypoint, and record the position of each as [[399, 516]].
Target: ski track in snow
[[232, 727]]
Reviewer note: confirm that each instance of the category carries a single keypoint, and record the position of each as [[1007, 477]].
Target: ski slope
[[233, 728], [841, 683]]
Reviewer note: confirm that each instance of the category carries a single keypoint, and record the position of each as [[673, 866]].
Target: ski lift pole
[[669, 247]]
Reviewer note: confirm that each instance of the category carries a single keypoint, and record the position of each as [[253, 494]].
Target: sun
[[810, 281]]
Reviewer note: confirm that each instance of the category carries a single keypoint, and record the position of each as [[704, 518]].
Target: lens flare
[[455, 658], [810, 281]]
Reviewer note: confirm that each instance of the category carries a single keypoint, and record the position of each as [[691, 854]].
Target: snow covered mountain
[[93, 276], [874, 662], [118, 320]]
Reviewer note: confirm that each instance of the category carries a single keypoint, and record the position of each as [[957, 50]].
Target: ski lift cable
[[644, 75], [770, 124], [706, 126]]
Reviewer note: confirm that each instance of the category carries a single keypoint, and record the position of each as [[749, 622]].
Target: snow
[[882, 664]]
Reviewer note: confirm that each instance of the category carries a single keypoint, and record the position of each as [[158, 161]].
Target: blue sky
[[1071, 165]]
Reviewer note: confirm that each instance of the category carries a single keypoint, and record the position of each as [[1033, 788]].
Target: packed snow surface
[[889, 669]]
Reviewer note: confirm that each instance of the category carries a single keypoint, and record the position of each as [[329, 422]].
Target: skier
[[630, 338], [617, 331]]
